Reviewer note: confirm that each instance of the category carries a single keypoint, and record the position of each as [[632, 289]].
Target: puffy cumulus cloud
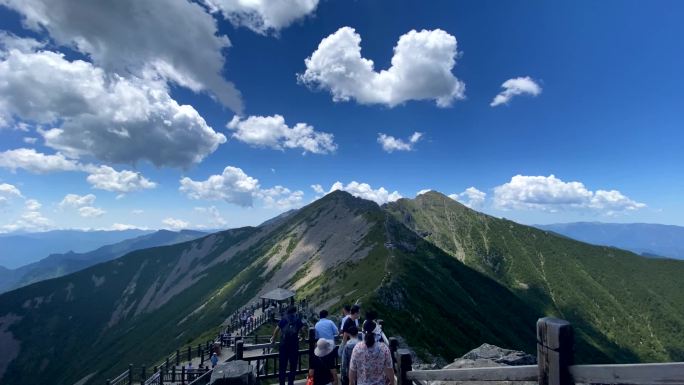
[[8, 190], [281, 198], [32, 205], [271, 131], [133, 37], [613, 201], [125, 181], [30, 220], [175, 224], [421, 69], [391, 144], [365, 191], [263, 16], [232, 186], [114, 119], [471, 197], [76, 201], [36, 162], [236, 187], [318, 189], [215, 217], [552, 194], [514, 87], [90, 212]]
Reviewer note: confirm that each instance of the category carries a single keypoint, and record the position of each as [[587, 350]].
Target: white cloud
[[175, 224], [233, 186], [32, 205], [391, 144], [30, 220], [114, 119], [139, 38], [514, 87], [137, 212], [471, 197], [123, 226], [30, 140], [318, 189], [263, 16], [271, 131], [90, 212], [215, 218], [76, 201], [107, 178], [281, 198], [423, 191], [9, 190], [36, 162], [421, 69], [365, 191], [553, 194]]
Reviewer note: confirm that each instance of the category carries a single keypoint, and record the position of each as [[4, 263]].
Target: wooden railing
[[165, 368], [554, 365]]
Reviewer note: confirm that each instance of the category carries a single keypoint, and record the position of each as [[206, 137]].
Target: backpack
[[290, 333]]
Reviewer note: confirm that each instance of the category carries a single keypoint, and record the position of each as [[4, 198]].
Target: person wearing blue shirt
[[326, 328]]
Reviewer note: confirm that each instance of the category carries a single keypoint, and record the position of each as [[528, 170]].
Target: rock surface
[[233, 373], [487, 356]]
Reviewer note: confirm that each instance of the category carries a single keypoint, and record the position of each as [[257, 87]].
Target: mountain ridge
[[338, 249]]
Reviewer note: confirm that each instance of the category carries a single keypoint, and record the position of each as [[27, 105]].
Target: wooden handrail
[[499, 373], [655, 374]]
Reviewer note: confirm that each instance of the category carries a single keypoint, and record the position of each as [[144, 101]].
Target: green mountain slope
[[624, 307], [57, 265], [144, 305]]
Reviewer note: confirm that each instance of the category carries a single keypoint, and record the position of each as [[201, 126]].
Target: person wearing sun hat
[[322, 365]]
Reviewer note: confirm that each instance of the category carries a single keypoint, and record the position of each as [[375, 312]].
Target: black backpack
[[290, 333]]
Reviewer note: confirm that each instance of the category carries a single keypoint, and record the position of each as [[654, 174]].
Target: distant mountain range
[[17, 250], [444, 278], [57, 265], [650, 240]]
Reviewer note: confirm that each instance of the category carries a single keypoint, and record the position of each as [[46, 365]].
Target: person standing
[[346, 309], [322, 365], [214, 360], [326, 328], [352, 320], [289, 328], [345, 352], [371, 362]]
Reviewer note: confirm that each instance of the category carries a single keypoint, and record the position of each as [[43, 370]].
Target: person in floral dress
[[371, 361]]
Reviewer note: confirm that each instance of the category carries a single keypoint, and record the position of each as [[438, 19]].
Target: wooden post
[[239, 350], [312, 344], [405, 363], [255, 339], [182, 375], [201, 356], [554, 351], [143, 376], [161, 376], [130, 374], [394, 346], [199, 348], [189, 353], [178, 356], [167, 363], [108, 382]]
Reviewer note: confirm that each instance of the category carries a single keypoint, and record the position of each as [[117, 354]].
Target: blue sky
[[598, 106]]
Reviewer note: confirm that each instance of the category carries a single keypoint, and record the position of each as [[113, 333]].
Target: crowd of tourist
[[364, 358]]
